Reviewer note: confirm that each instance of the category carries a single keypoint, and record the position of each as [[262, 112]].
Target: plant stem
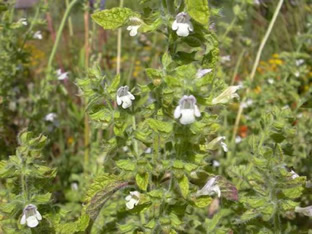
[[256, 63], [119, 45], [70, 24], [240, 57], [59, 33], [86, 119], [135, 143]]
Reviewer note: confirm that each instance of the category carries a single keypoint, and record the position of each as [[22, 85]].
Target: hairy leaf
[[113, 18]]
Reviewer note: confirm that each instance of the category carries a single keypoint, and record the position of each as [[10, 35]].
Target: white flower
[[136, 23], [31, 216], [219, 140], [50, 117], [210, 188], [61, 75], [226, 58], [182, 25], [148, 150], [248, 103], [201, 72], [299, 62], [216, 163], [132, 199], [124, 97], [38, 35], [307, 211], [238, 139], [294, 175], [270, 81], [228, 94], [23, 21], [187, 110], [256, 2], [297, 74]]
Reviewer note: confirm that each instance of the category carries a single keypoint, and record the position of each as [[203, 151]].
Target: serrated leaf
[[100, 183], [151, 224], [178, 164], [113, 18], [127, 228], [184, 186], [103, 115], [202, 201], [126, 164], [166, 60], [6, 169], [248, 215], [41, 198], [156, 193], [142, 180], [99, 192], [159, 126], [293, 192], [198, 10], [114, 85], [289, 205]]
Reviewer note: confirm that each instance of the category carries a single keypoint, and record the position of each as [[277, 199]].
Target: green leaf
[[142, 180], [127, 228], [41, 198], [178, 164], [99, 191], [113, 18], [126, 164], [166, 60], [202, 201], [100, 183], [114, 85], [40, 171], [184, 186], [7, 169], [293, 192], [159, 126], [198, 10], [248, 215], [102, 115], [151, 224]]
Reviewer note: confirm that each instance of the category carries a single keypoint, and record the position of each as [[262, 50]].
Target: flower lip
[[210, 188], [124, 97], [30, 216], [187, 110], [182, 25], [133, 199]]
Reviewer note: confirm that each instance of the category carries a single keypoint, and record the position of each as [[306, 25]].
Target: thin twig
[[255, 65]]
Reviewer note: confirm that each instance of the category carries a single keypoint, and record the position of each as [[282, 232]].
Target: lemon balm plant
[[161, 132]]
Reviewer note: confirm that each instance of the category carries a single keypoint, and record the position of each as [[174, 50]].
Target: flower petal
[[38, 215], [131, 96], [130, 204], [183, 30], [174, 25], [196, 111], [32, 221], [118, 100], [23, 219], [177, 112]]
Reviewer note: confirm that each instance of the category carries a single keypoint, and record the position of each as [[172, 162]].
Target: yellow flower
[[257, 90]]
